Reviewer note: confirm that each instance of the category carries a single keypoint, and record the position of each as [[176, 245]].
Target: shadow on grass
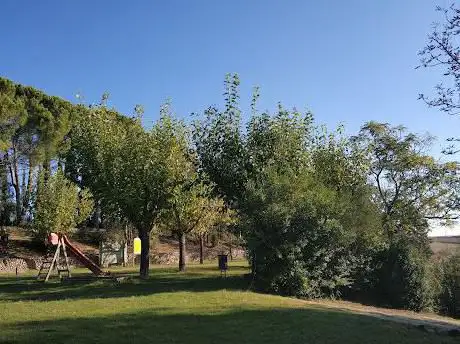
[[162, 281], [237, 326]]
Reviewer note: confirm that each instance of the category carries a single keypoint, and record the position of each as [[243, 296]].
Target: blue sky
[[347, 61]]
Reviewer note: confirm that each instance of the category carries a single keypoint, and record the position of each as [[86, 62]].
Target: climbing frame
[[57, 262]]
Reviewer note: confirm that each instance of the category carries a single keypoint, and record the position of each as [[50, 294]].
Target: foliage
[[449, 297], [12, 113], [191, 206], [124, 166], [34, 127], [140, 174], [220, 144], [296, 230], [320, 214], [281, 141], [191, 209], [60, 206], [302, 196], [404, 277], [411, 187]]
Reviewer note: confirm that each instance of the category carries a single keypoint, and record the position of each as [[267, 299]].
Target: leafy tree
[[12, 117], [306, 214], [411, 187], [231, 157], [403, 276], [34, 126], [191, 209], [450, 285], [41, 140], [220, 144], [107, 156], [282, 141], [128, 169], [12, 113], [191, 206], [60, 206], [300, 236]]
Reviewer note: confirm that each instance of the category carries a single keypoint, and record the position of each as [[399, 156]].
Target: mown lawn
[[194, 307]]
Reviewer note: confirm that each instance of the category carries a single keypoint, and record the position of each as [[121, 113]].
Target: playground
[[198, 306]]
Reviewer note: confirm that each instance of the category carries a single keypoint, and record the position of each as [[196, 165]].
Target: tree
[[302, 239], [38, 142], [12, 117], [60, 205], [191, 205], [231, 157], [191, 209], [282, 140], [411, 187], [12, 113], [128, 169], [442, 51], [220, 144], [34, 126]]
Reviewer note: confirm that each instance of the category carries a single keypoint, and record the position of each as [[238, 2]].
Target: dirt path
[[425, 321]]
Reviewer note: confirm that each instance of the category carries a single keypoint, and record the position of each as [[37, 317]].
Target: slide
[[84, 259]]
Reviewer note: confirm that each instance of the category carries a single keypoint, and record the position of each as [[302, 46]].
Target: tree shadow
[[236, 326], [167, 280]]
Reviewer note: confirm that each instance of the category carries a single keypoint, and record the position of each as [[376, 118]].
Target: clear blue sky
[[347, 61]]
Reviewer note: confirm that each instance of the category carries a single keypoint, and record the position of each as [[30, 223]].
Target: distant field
[[443, 245], [194, 307]]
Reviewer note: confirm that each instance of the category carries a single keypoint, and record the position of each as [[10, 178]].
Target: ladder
[[55, 263]]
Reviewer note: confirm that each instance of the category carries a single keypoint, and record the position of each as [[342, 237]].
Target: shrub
[[405, 277], [297, 238], [60, 206], [449, 297]]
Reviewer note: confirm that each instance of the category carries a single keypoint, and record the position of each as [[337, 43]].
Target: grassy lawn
[[194, 307]]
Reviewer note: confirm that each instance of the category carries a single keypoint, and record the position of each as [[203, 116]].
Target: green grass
[[194, 307]]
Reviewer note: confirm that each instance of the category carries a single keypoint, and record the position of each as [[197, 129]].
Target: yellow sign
[[137, 246]]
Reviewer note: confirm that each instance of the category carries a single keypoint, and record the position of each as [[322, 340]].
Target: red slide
[[83, 259]]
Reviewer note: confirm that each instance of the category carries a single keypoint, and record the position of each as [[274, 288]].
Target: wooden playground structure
[[59, 261]]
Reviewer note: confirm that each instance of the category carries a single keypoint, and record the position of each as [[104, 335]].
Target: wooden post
[[66, 258], [56, 255]]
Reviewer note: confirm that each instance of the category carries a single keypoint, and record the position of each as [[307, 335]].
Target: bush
[[405, 278], [60, 206], [298, 241], [449, 297], [7, 213]]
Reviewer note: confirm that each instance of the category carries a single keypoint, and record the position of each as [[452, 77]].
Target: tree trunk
[[17, 187], [4, 217], [28, 192], [23, 194], [182, 252], [145, 250], [253, 263], [201, 248], [96, 218], [46, 170]]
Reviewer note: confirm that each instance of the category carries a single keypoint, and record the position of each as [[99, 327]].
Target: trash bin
[[223, 262]]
